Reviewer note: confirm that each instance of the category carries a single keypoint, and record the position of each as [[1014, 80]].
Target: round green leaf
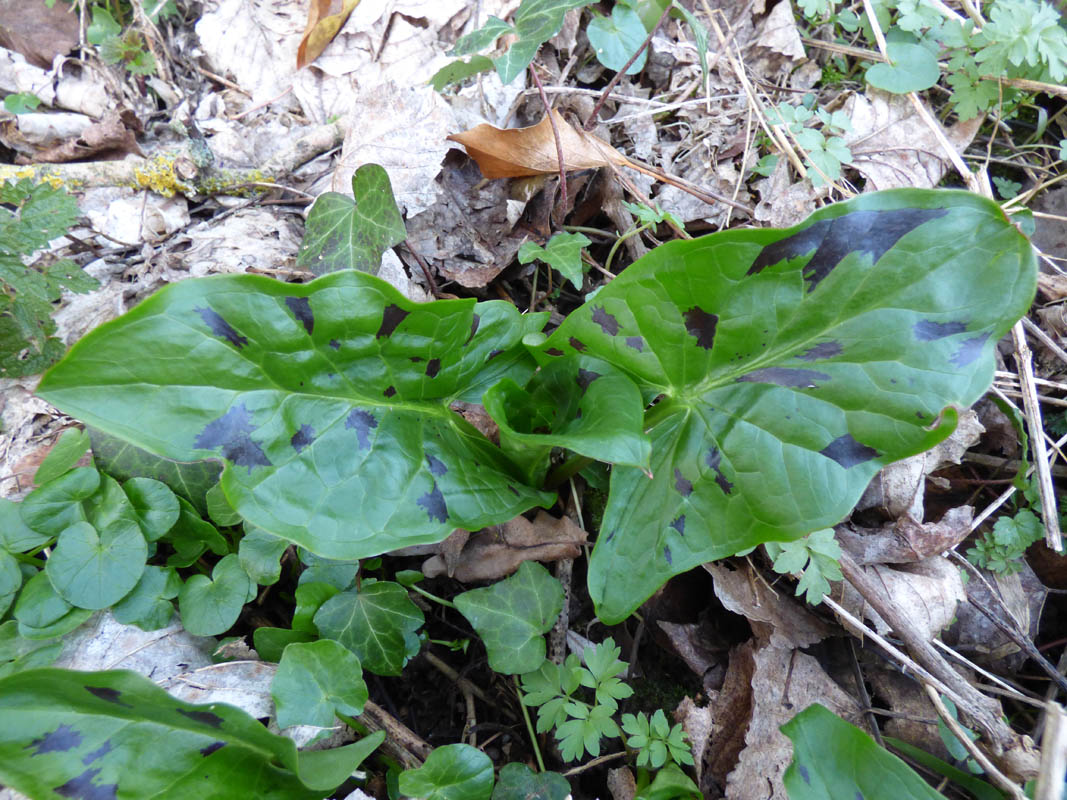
[[15, 535], [50, 509], [452, 772], [95, 569], [210, 606], [519, 782], [148, 605], [270, 643], [10, 580], [616, 38], [71, 446], [911, 68], [377, 623], [317, 681], [154, 504], [260, 554], [513, 615], [42, 613]]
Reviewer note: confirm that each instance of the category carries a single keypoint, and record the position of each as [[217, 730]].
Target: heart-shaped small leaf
[[148, 605], [270, 643], [616, 38], [512, 617], [563, 252], [260, 554], [55, 506], [191, 536], [452, 772], [347, 233], [911, 68], [15, 535], [319, 398], [18, 654], [155, 505], [377, 623], [519, 782], [95, 569], [210, 606], [315, 682], [309, 599], [42, 613]]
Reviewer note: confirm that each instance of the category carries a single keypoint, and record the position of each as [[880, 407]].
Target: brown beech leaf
[[321, 28], [518, 152]]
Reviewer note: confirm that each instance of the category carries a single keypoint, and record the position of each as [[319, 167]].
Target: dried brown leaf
[[321, 28], [499, 550], [38, 32], [517, 152]]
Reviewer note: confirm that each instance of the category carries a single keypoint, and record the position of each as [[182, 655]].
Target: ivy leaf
[[317, 397], [376, 622], [911, 68], [770, 386], [616, 38], [315, 682], [832, 758], [95, 569], [519, 782], [459, 71], [451, 772], [563, 252], [210, 606], [513, 615], [347, 233]]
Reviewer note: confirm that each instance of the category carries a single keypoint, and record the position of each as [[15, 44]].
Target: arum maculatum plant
[[745, 387]]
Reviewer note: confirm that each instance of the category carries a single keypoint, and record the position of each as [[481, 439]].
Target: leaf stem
[[559, 142], [433, 597], [529, 725], [628, 235]]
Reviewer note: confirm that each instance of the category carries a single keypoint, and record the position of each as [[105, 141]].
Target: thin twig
[[591, 122], [998, 777], [425, 270], [1050, 778], [555, 135]]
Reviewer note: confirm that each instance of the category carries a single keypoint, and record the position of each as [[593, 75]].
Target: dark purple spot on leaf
[[804, 773], [221, 327], [362, 421], [83, 788], [920, 415], [606, 321], [667, 555], [301, 308], [302, 438], [98, 753], [389, 391], [611, 535], [513, 490], [870, 232], [60, 740], [713, 458], [392, 316], [434, 504], [553, 351], [475, 322], [586, 377], [437, 466], [336, 345], [211, 748], [203, 717], [821, 350], [636, 342], [785, 376], [679, 524], [493, 354], [433, 366], [415, 359], [927, 331], [858, 795], [684, 487], [847, 452], [232, 432], [970, 350], [108, 694], [576, 344], [701, 325]]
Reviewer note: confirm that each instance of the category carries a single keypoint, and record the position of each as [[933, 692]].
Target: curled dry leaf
[[906, 540], [518, 152], [499, 550], [321, 28]]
